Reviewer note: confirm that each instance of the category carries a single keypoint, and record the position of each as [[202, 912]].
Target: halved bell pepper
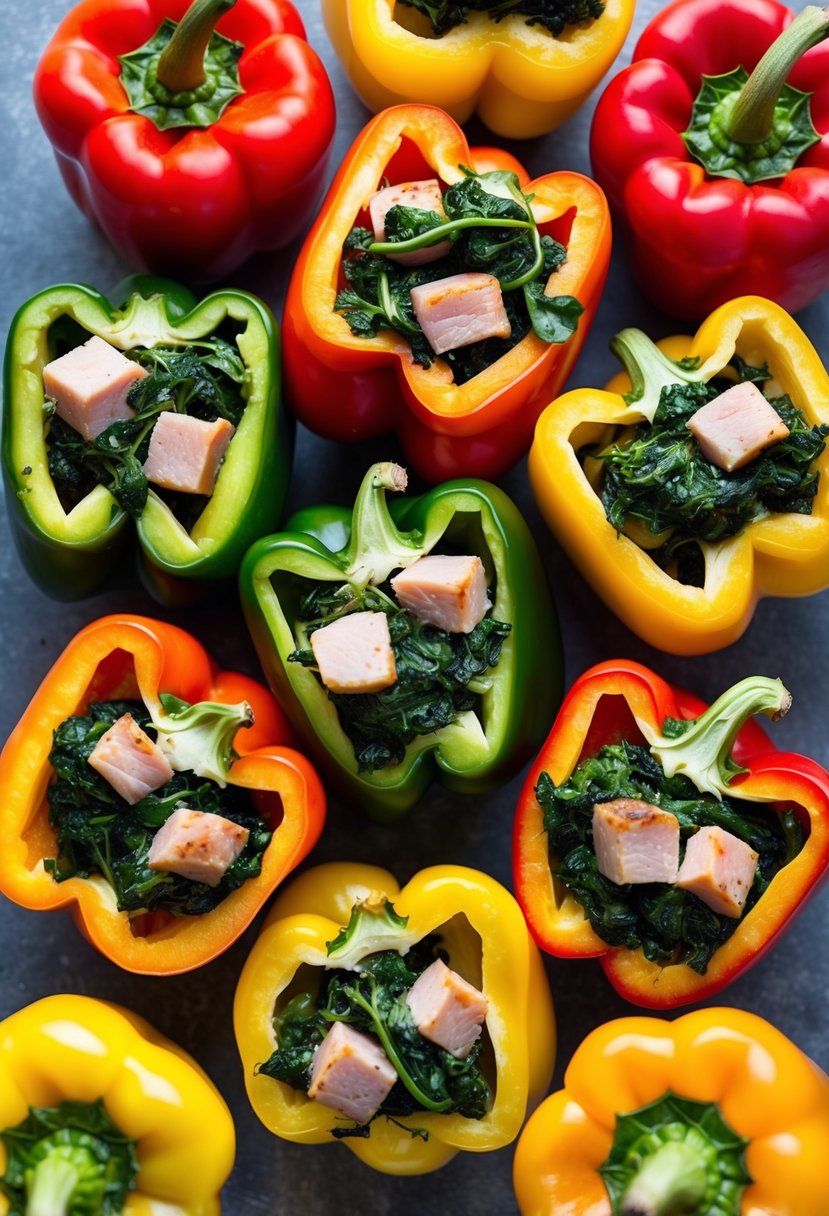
[[351, 388], [728, 754], [122, 657], [72, 553], [518, 79], [336, 545], [484, 935], [717, 1112], [783, 554], [99, 1102]]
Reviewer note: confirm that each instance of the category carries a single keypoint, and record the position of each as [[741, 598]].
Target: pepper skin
[[607, 704], [485, 936], [520, 81], [784, 555], [190, 201], [351, 388], [769, 1093], [123, 656]]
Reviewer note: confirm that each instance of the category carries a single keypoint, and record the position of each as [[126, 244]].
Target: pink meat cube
[[129, 760], [635, 842], [719, 868], [90, 384], [459, 310], [446, 1009], [185, 452], [426, 196], [197, 845], [736, 427], [354, 653], [351, 1073], [446, 591]]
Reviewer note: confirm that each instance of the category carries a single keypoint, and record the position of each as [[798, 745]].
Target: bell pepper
[[118, 657], [717, 1112], [481, 929], [782, 554], [97, 1108], [721, 179], [351, 388], [724, 754], [71, 553], [330, 544], [191, 150], [519, 80]]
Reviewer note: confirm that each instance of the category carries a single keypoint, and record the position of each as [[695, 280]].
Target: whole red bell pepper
[[190, 149], [721, 179]]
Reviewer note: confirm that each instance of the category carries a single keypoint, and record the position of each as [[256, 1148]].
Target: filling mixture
[[552, 15]]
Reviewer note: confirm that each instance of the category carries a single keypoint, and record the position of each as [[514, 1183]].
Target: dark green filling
[[553, 15]]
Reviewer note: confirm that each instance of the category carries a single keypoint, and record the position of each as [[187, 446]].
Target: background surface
[[45, 240]]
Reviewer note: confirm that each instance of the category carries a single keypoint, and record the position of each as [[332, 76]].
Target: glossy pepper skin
[[77, 1049], [697, 240], [190, 201], [486, 938], [785, 554], [73, 554], [520, 81], [610, 702], [351, 388], [767, 1090], [124, 656]]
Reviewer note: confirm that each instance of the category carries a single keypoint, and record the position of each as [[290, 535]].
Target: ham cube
[[426, 196], [719, 869], [185, 452], [197, 845], [351, 1073], [635, 842], [736, 427], [354, 653], [90, 384], [446, 1009], [449, 592], [462, 309], [127, 758]]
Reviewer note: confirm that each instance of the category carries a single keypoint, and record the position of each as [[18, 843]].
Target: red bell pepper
[[195, 150], [727, 195]]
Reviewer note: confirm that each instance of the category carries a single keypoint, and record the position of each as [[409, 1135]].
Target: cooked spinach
[[553, 15]]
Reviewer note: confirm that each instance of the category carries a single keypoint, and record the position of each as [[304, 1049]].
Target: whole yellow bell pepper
[[520, 80], [142, 1113], [482, 931]]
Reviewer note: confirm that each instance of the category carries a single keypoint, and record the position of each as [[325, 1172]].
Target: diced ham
[[446, 591], [446, 1009], [459, 310], [736, 427], [354, 653], [185, 452], [351, 1073], [197, 845], [90, 384], [635, 841], [719, 868], [426, 196], [127, 758]]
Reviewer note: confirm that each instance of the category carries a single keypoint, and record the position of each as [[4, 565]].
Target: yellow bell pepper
[[782, 554], [95, 1061], [520, 80], [484, 934]]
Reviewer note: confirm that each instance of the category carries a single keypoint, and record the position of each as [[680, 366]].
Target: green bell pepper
[[361, 548], [70, 553]]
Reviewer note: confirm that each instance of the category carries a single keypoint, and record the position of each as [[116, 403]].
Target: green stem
[[199, 738], [181, 63], [435, 235], [377, 546], [536, 268], [54, 1179], [671, 1182], [650, 370]]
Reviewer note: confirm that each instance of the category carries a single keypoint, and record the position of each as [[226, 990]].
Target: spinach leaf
[[552, 15]]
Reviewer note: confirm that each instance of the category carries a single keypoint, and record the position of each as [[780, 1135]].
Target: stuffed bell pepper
[[523, 66], [717, 1113], [697, 484], [666, 838], [101, 1115], [441, 295], [155, 409], [401, 638], [410, 1024], [153, 795]]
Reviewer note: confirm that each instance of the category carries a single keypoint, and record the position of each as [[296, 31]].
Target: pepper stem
[[672, 1181], [54, 1180], [650, 370], [199, 738], [377, 546], [181, 63]]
